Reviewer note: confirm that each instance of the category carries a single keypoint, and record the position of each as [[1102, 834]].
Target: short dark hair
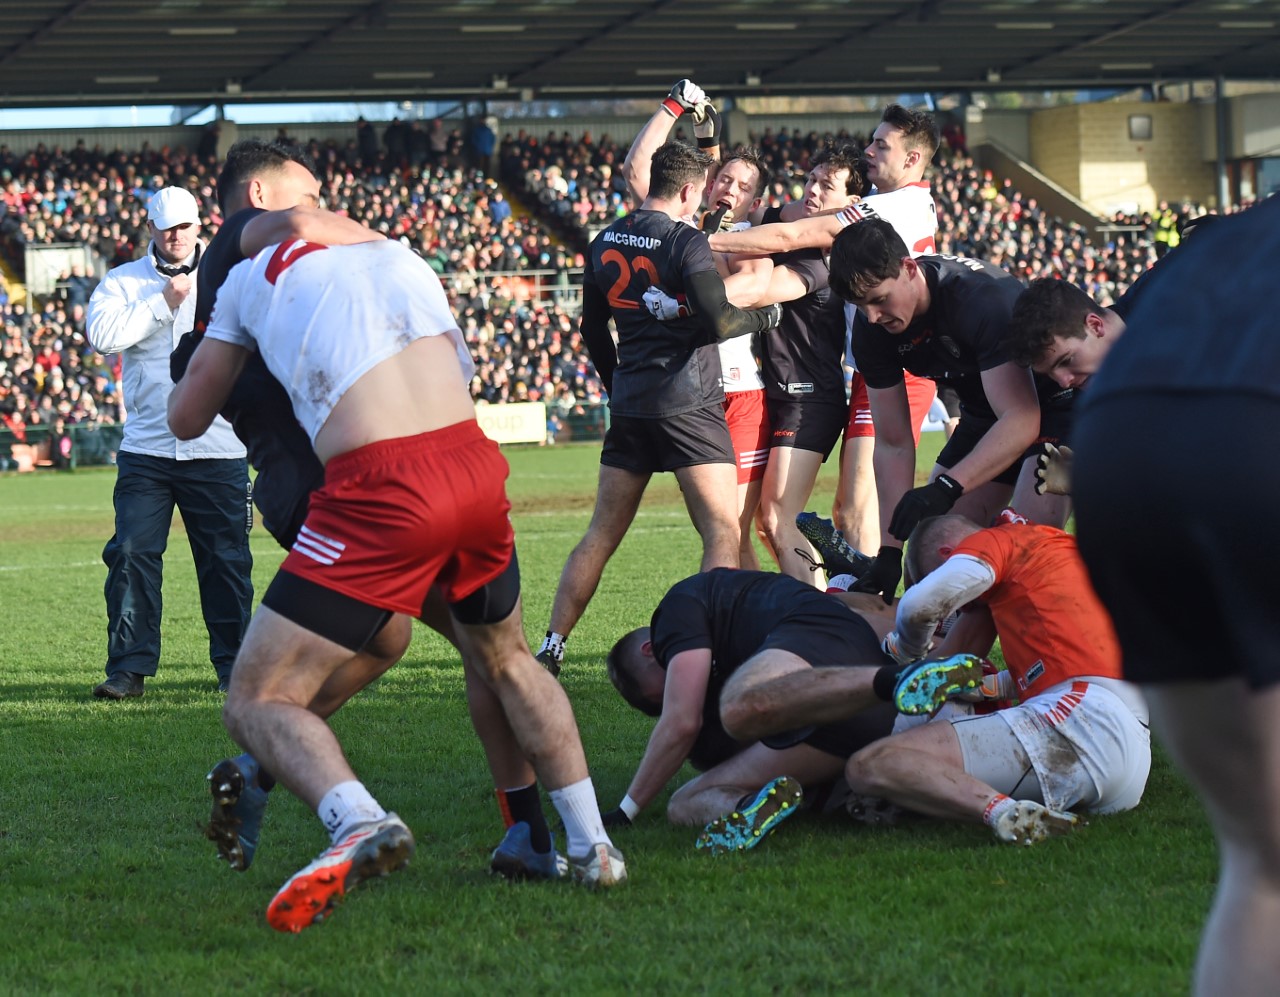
[[252, 156], [845, 157], [864, 254], [1048, 308], [919, 130], [752, 157], [621, 666], [674, 165]]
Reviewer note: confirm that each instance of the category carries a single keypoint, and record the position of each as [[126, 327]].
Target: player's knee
[[744, 713], [865, 771], [681, 808]]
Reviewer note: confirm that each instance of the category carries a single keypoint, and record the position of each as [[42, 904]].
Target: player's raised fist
[[685, 95], [707, 125]]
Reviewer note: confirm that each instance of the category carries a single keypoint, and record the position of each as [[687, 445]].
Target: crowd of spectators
[[505, 268]]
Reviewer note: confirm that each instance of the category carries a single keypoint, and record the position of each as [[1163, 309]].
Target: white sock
[[840, 583], [554, 643], [996, 809], [346, 805], [580, 812]]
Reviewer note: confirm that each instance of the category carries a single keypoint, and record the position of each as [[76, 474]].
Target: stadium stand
[[507, 248]]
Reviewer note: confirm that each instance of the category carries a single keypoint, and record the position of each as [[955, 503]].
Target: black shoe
[[224, 683], [121, 685]]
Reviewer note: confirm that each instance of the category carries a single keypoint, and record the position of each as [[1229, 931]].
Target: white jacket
[[127, 314]]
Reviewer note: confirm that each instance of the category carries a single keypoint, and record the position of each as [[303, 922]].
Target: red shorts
[[920, 395], [748, 420], [398, 515]]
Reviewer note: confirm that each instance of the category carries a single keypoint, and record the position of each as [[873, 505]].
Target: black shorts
[[647, 446], [1179, 540], [807, 425], [950, 400], [828, 634], [1055, 428]]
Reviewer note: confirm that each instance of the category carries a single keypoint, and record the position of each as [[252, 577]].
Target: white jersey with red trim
[[739, 370], [323, 316], [913, 215], [910, 210]]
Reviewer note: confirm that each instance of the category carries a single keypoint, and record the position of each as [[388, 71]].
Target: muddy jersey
[[258, 407], [323, 316], [664, 368], [962, 334], [801, 360]]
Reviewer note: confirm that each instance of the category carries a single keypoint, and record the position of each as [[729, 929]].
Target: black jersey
[[258, 407], [1180, 339], [963, 334], [803, 359], [730, 612], [734, 614], [663, 368]]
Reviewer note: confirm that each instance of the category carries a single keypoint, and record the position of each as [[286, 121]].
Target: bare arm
[[1012, 394], [635, 168], [309, 224], [203, 390], [677, 729], [816, 232]]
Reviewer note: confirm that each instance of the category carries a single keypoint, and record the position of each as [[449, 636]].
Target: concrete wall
[[1087, 149]]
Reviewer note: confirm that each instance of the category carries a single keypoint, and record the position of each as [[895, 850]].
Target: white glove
[[685, 96], [892, 646], [707, 125], [663, 306], [1053, 470], [996, 685]]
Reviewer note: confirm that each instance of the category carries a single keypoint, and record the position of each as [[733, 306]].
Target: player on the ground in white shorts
[[1078, 738], [899, 152]]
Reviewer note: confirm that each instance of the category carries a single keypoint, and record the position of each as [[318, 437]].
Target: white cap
[[171, 207]]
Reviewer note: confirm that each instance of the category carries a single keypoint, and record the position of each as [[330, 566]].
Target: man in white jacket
[[140, 310]]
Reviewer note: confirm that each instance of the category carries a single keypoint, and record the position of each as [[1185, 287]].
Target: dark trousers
[[213, 496]]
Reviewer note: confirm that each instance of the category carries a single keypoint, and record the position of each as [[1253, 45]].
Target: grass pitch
[[109, 885]]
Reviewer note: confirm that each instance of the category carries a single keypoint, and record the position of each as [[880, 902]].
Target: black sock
[[525, 804], [885, 679]]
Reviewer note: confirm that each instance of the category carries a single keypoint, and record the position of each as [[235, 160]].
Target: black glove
[[882, 575], [716, 219], [181, 355], [615, 818], [933, 499]]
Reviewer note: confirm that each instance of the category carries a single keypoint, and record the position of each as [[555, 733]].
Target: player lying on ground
[[1077, 740], [730, 660]]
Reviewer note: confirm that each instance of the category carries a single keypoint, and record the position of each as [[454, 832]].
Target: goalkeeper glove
[[685, 95]]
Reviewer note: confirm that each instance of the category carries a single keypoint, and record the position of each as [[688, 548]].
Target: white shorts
[[1079, 745]]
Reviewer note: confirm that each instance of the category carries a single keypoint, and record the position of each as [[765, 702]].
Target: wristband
[[952, 486], [672, 107], [629, 807], [710, 142]]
